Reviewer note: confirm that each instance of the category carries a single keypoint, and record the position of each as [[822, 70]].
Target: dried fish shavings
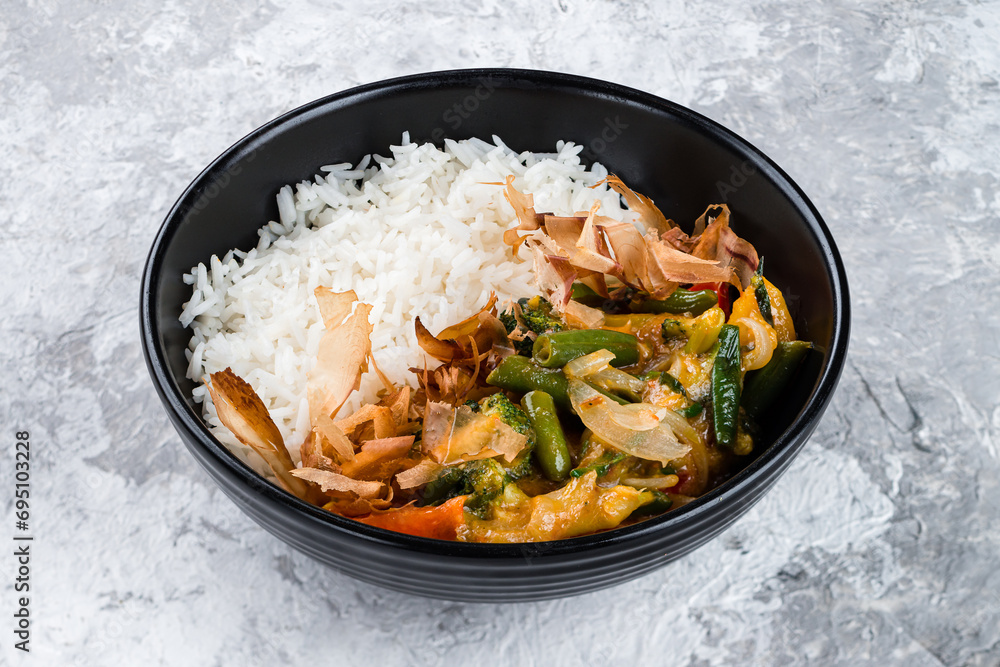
[[343, 353], [327, 480], [649, 215], [241, 411], [380, 459], [458, 434], [720, 243]]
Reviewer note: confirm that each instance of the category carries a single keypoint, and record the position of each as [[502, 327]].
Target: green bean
[[760, 293], [615, 387], [764, 386], [551, 449], [520, 374], [587, 296], [680, 301], [726, 386], [634, 320], [556, 349]]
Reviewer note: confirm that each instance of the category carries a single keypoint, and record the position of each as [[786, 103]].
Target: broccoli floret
[[482, 481], [499, 406], [509, 322], [472, 405], [537, 315]]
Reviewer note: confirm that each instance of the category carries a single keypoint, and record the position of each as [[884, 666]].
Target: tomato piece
[[722, 292], [440, 523]]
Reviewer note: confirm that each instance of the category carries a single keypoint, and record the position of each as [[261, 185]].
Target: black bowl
[[679, 158]]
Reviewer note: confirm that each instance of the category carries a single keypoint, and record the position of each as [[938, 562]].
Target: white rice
[[415, 234]]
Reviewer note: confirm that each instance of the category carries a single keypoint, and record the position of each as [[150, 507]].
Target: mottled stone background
[[881, 545]]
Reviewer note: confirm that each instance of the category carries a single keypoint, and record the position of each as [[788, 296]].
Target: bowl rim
[[770, 462]]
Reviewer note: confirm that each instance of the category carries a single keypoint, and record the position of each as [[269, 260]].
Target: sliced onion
[[614, 379], [595, 368], [602, 416], [681, 427], [637, 416], [577, 314], [582, 367], [764, 341]]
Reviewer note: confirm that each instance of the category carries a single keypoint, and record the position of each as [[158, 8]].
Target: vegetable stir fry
[[629, 386]]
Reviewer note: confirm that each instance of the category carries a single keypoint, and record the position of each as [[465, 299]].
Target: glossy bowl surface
[[679, 158]]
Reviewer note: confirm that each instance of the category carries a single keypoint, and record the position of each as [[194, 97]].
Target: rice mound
[[415, 234]]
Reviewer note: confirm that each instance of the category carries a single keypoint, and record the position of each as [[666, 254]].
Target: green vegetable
[[634, 320], [536, 313], [509, 322], [672, 329], [701, 332], [555, 350], [501, 407], [660, 503], [551, 449], [726, 386], [447, 485], [691, 411], [482, 481], [619, 301], [673, 383], [760, 292], [765, 385], [586, 296], [680, 301], [498, 405], [520, 374], [618, 386], [602, 465]]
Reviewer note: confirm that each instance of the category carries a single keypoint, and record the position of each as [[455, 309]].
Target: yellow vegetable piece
[[783, 324], [579, 508], [757, 338]]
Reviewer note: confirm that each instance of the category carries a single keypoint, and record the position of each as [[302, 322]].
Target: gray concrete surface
[[880, 546]]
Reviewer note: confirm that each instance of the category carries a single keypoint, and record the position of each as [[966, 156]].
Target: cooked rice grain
[[416, 233]]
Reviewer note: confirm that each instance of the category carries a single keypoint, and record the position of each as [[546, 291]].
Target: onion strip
[[603, 416]]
